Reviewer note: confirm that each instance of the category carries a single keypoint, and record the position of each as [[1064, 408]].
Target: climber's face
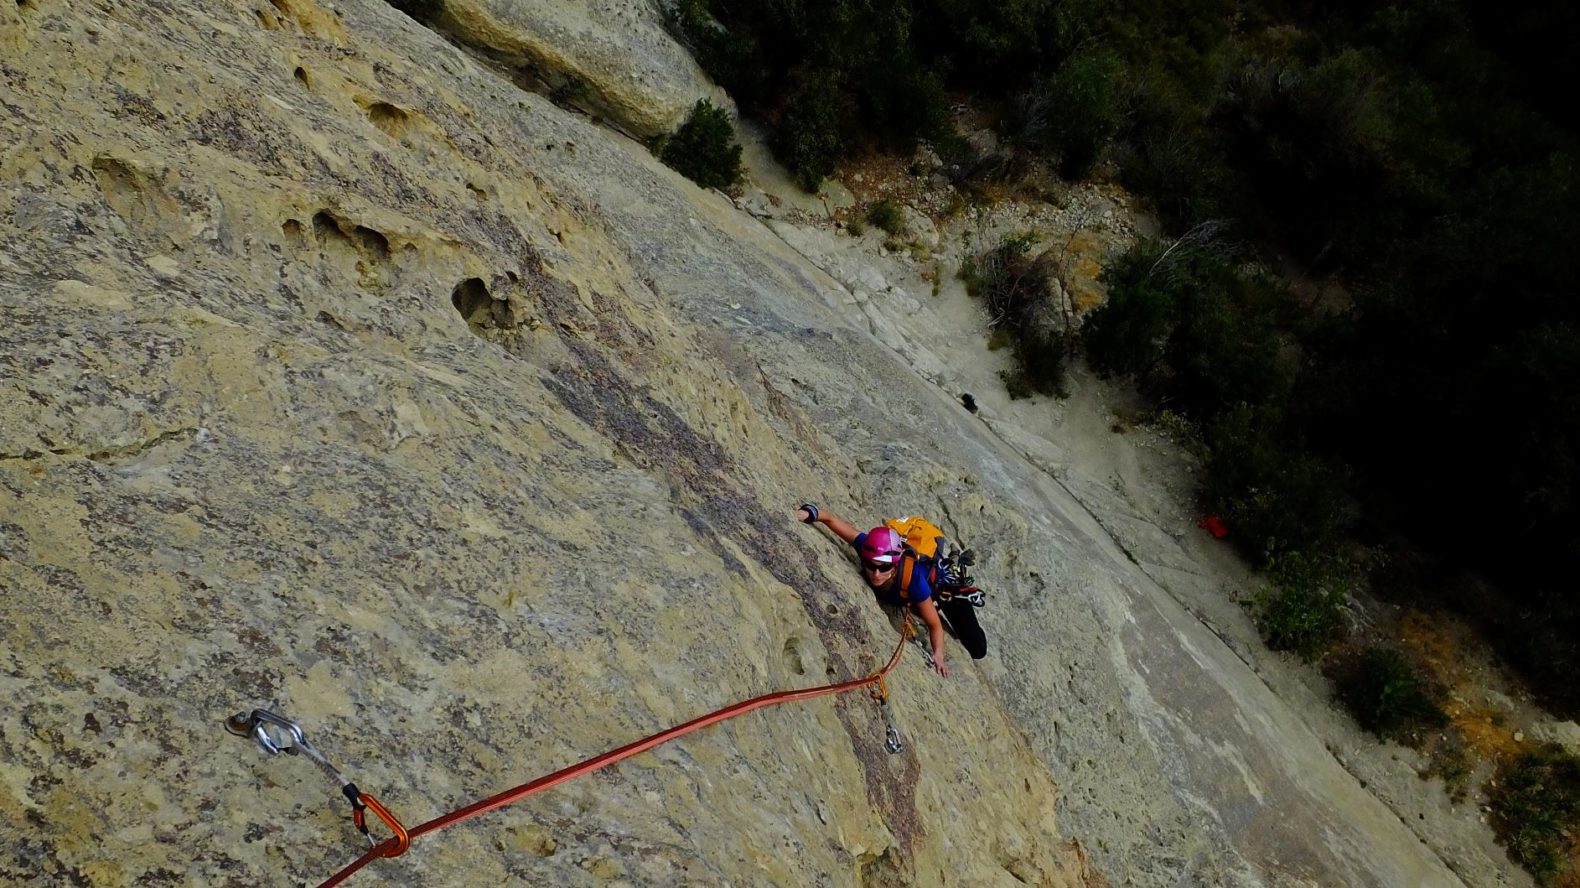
[[877, 574]]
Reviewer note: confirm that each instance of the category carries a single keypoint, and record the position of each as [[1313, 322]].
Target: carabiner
[[256, 725], [880, 690], [400, 839]]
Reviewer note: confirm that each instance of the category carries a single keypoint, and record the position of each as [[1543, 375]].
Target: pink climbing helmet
[[882, 546]]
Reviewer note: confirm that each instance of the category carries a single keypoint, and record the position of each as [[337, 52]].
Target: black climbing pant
[[960, 616]]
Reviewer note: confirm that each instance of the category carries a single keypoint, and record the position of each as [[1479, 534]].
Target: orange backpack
[[922, 539]]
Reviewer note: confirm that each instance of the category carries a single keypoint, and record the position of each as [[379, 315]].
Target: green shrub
[[731, 61], [1016, 385], [1449, 761], [986, 275], [1077, 112], [886, 215], [808, 139], [1536, 808], [1226, 347], [1304, 612], [1274, 496], [1389, 697], [703, 149], [1186, 318], [903, 101], [1015, 288], [1168, 152], [1127, 334], [1315, 141], [1041, 355]]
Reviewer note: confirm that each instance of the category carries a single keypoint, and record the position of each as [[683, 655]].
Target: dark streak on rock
[[652, 436]]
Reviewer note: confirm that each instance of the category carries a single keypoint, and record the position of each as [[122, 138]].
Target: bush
[[1305, 611], [1273, 496], [1536, 808], [1016, 384], [902, 102], [1042, 358], [731, 61], [1226, 347], [1187, 319], [1314, 141], [886, 215], [808, 140], [703, 149], [1016, 289], [1077, 112], [1389, 697], [1168, 153], [989, 273], [1126, 335], [1449, 761]]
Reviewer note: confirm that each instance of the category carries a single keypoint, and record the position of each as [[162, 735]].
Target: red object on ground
[[1214, 525]]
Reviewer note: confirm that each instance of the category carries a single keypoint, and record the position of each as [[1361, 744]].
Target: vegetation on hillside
[[703, 149], [1423, 154], [1019, 292], [1536, 809]]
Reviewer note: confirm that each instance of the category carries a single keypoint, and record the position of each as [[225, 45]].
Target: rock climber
[[881, 550]]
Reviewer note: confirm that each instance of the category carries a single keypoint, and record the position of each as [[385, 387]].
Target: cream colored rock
[[612, 57], [343, 377]]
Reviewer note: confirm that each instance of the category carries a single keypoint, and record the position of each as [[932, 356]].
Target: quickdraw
[[276, 734]]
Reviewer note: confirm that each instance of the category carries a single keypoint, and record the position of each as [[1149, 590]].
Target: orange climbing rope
[[401, 838]]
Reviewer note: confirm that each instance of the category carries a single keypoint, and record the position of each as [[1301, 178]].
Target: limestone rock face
[[343, 377], [612, 57]]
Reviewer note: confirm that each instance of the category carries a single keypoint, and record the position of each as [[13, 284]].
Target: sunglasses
[[876, 566]]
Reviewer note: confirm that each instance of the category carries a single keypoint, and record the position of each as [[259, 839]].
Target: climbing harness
[[276, 734]]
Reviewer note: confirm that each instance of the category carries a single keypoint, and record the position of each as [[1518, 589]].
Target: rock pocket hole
[[880, 871], [792, 655], [326, 229], [371, 244], [336, 235], [301, 77], [130, 193], [473, 302], [291, 229], [388, 118]]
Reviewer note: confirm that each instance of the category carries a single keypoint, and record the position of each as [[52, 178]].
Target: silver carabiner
[[256, 724], [891, 740], [261, 725]]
